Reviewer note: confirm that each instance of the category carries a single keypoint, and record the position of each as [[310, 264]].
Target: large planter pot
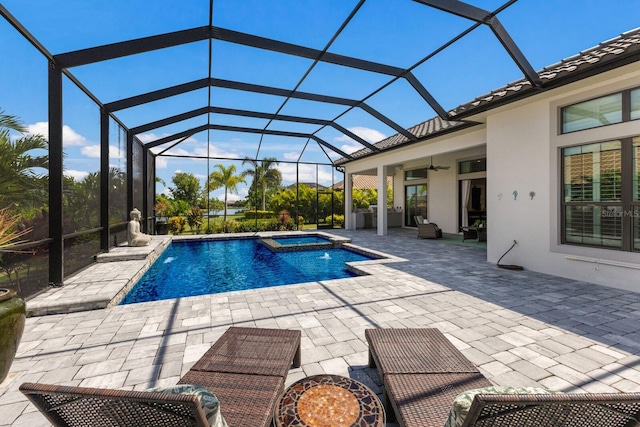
[[12, 319], [162, 228]]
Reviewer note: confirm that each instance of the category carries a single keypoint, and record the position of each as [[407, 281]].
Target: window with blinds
[[601, 192]]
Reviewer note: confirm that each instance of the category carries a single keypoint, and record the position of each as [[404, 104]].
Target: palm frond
[[8, 235], [11, 122]]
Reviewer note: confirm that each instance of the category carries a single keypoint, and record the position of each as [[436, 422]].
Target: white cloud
[[230, 197], [150, 137], [306, 173], [368, 134], [291, 156], [215, 151], [161, 162], [348, 148], [69, 136], [147, 137], [93, 151], [76, 175], [200, 153]]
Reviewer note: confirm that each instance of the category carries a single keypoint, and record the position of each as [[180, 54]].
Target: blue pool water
[[207, 267], [301, 240]]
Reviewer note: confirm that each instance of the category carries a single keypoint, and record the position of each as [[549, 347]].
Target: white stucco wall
[[522, 143], [442, 185], [523, 155], [518, 161]]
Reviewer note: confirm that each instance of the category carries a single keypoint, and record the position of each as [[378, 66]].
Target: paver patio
[[519, 327]]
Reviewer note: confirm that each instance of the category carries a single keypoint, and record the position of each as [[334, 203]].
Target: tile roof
[[614, 52], [609, 54], [424, 130], [362, 182]]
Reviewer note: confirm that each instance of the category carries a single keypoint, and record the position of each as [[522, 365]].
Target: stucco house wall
[[443, 186], [522, 145], [523, 152]]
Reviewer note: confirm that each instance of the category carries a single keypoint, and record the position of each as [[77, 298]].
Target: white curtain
[[465, 192]]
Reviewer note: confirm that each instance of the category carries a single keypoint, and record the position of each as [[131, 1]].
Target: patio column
[[382, 200], [349, 218]]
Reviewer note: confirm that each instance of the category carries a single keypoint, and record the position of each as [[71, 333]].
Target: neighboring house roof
[[308, 184], [609, 54], [361, 182]]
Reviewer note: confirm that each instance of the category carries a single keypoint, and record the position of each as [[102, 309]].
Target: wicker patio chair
[[427, 231], [81, 406], [558, 410], [422, 373], [476, 233], [482, 234], [246, 368]]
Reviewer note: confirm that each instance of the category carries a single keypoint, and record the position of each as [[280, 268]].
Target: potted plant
[[12, 305], [162, 210], [480, 223]]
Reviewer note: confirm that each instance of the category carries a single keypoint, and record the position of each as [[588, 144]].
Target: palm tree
[[20, 184], [225, 177], [264, 174]]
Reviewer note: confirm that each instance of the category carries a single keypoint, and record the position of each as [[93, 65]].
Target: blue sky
[[394, 32]]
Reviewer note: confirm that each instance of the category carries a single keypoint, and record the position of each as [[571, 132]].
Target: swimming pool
[[301, 240], [189, 268]]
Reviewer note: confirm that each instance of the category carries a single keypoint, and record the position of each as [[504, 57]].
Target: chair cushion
[[208, 401], [463, 401]]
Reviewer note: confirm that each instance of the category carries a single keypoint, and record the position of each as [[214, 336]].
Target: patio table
[[329, 400]]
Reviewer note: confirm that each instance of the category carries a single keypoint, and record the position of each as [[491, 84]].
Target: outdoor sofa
[[423, 372], [246, 369]]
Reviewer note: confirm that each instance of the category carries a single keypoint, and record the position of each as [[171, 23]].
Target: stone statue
[[134, 236]]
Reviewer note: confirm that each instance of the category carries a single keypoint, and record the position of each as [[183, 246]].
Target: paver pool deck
[[519, 327]]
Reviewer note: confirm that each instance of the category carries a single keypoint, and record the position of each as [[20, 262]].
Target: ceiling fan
[[436, 168]]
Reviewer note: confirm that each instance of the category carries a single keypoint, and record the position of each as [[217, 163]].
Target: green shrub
[[258, 214], [338, 220], [176, 224]]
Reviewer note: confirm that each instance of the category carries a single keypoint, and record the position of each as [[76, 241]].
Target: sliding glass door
[[415, 202]]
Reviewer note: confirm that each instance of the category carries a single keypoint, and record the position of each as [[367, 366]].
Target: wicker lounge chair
[[422, 373], [427, 231], [246, 369]]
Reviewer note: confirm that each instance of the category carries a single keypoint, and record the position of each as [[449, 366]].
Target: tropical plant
[[8, 230], [178, 207], [81, 202], [303, 201], [338, 220], [118, 211], [195, 218], [224, 177], [265, 176], [176, 224], [161, 207], [9, 233], [20, 183]]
